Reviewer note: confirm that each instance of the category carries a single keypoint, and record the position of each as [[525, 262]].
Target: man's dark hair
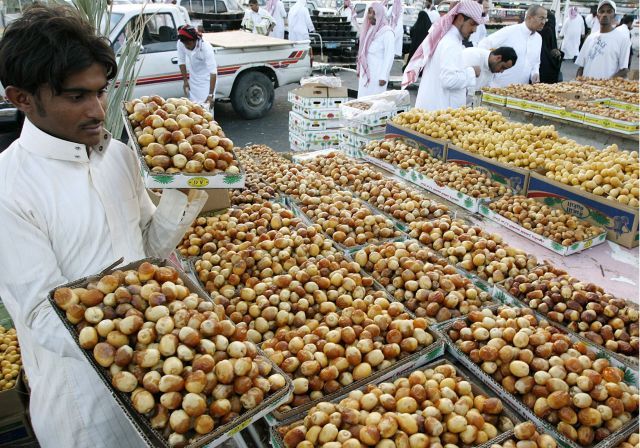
[[253, 2], [594, 9], [47, 45], [507, 53], [626, 19]]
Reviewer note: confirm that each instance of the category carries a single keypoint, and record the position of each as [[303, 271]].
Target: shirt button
[[99, 148], [77, 156], [78, 148]]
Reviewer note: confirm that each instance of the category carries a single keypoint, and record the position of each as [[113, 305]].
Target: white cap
[[607, 2]]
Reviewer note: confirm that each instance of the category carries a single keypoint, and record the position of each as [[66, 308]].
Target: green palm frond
[[162, 178], [232, 178]]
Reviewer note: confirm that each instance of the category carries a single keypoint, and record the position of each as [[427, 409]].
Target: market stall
[[409, 284]]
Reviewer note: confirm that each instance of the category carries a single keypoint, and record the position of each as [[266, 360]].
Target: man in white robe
[[375, 54], [276, 9], [525, 39], [300, 24], [197, 60], [257, 20], [88, 208], [572, 31], [445, 79]]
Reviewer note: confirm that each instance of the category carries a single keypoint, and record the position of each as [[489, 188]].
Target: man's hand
[[185, 87], [556, 53], [382, 82], [477, 70]]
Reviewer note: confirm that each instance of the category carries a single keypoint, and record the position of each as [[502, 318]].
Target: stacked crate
[[361, 126], [314, 121]]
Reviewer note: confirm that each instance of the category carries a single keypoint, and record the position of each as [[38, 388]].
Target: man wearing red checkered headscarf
[[445, 79]]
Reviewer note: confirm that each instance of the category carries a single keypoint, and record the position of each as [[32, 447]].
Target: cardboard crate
[[365, 129], [312, 125], [218, 200], [435, 147], [621, 221], [326, 136], [299, 143], [571, 115], [311, 95], [617, 104], [576, 247], [16, 431], [518, 103], [493, 98], [357, 140], [450, 194], [511, 176], [317, 113], [598, 121]]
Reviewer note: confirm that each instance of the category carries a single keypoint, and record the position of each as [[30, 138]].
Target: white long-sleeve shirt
[[65, 215], [201, 64], [478, 57], [380, 60], [300, 24], [527, 46], [479, 34], [445, 79], [279, 15]]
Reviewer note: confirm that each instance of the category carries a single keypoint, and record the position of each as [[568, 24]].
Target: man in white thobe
[[490, 63], [300, 24], [445, 79], [481, 32], [197, 59], [375, 54], [525, 39], [572, 31], [279, 15], [432, 12], [87, 209], [257, 20]]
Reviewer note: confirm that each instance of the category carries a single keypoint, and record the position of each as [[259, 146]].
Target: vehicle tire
[[252, 96]]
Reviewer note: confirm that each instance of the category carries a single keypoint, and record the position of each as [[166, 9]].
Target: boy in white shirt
[[605, 54]]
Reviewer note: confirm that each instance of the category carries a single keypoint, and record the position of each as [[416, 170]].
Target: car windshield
[[360, 9], [114, 19]]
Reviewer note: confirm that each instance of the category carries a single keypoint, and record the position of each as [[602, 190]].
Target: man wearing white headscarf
[[300, 24], [446, 78], [375, 54], [572, 30]]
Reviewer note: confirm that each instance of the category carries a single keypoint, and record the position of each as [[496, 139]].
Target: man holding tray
[[71, 203]]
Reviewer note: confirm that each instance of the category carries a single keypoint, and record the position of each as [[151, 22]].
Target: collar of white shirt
[[38, 142], [526, 29]]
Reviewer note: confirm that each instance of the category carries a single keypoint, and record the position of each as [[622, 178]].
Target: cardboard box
[[493, 98], [311, 95], [365, 129], [218, 199], [517, 103], [578, 246], [617, 104], [16, 431], [571, 115], [511, 176], [299, 143], [621, 221], [326, 136], [436, 148], [14, 402], [317, 113], [312, 125], [370, 118], [598, 121], [357, 140], [452, 195]]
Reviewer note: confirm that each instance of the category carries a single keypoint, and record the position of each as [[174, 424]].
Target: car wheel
[[253, 95]]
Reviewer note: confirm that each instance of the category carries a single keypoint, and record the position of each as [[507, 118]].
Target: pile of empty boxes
[[365, 119], [314, 121]]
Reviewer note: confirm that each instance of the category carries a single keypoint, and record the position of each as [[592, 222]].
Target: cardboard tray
[[329, 136], [493, 98], [151, 436], [301, 144], [477, 386], [517, 403], [435, 147], [621, 221], [411, 175], [317, 96], [619, 126], [427, 354], [373, 119], [183, 179], [550, 244], [501, 294], [617, 104], [357, 140], [365, 129], [312, 125]]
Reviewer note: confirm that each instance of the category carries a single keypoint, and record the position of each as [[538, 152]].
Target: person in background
[[276, 9], [481, 31], [418, 33], [299, 20], [88, 208], [445, 79], [550, 56], [592, 20], [625, 26], [257, 20], [490, 62], [573, 31], [605, 54], [198, 67], [375, 54], [525, 40], [434, 15], [394, 17]]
